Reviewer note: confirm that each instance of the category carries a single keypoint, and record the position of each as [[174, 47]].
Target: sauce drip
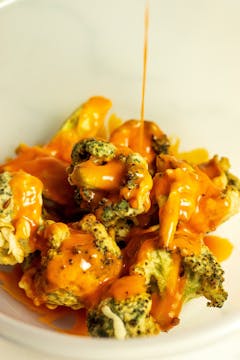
[[166, 308], [127, 286], [220, 247], [145, 53]]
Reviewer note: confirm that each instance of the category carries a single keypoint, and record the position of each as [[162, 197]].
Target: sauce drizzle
[[145, 53]]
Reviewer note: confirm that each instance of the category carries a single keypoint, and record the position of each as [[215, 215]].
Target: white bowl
[[54, 54]]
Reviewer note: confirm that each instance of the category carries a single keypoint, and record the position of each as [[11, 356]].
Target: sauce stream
[[145, 53]]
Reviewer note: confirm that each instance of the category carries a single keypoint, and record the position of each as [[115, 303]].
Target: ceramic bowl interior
[[56, 53]]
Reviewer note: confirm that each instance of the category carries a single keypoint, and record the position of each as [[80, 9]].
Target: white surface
[[227, 349], [57, 53]]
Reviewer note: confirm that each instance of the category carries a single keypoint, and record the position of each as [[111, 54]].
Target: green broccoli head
[[161, 144], [204, 277], [124, 192], [101, 150], [10, 253], [218, 169], [112, 213], [74, 263], [122, 319], [121, 231]]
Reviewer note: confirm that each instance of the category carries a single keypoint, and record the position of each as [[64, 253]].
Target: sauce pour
[[144, 74]]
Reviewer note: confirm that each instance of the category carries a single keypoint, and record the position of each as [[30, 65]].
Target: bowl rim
[[162, 344]]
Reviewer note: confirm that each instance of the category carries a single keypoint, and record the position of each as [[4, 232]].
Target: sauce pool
[[58, 319]]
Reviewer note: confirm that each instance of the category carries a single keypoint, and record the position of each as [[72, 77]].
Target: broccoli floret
[[10, 251], [64, 297], [15, 221], [100, 149], [204, 277], [114, 212], [134, 193], [86, 121], [218, 170], [121, 231], [160, 145], [73, 265], [155, 268], [122, 318], [104, 242], [125, 197], [55, 237], [6, 206]]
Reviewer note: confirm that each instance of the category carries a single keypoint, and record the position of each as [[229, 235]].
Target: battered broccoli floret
[[155, 269], [64, 297], [134, 192], [10, 252], [5, 196], [15, 220], [232, 193], [103, 240], [121, 231], [112, 182], [114, 212], [35, 267], [122, 318], [161, 144], [74, 264], [218, 170], [58, 234], [204, 277], [102, 150]]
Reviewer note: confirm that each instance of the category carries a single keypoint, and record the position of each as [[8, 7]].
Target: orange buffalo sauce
[[49, 169], [107, 177], [80, 266], [193, 202], [27, 205], [9, 282], [166, 307], [140, 241], [138, 134], [220, 247], [85, 122], [127, 286], [128, 135]]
